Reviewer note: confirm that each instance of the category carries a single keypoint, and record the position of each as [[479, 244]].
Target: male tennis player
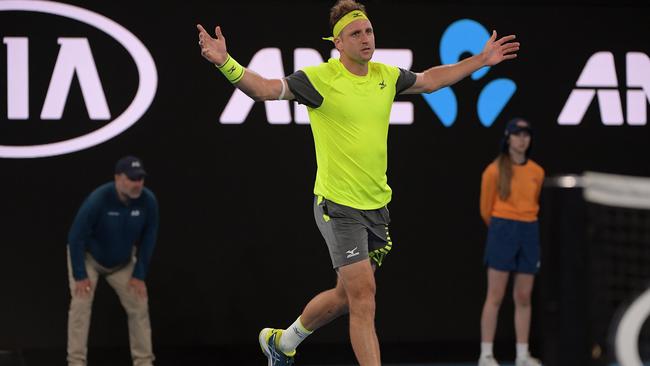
[[349, 101]]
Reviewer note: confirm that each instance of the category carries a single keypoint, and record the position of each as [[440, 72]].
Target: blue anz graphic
[[462, 36], [493, 99], [444, 105], [469, 36]]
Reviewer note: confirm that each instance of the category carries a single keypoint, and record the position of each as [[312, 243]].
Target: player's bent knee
[[364, 305]]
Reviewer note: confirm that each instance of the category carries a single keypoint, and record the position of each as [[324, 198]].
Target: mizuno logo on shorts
[[352, 253]]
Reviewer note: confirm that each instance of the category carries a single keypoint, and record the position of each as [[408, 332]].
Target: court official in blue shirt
[[113, 236]]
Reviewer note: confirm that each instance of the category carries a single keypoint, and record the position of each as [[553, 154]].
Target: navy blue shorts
[[512, 246]]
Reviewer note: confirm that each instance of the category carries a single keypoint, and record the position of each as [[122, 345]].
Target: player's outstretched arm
[[438, 77], [248, 81]]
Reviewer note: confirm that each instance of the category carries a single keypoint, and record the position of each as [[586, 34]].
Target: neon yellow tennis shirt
[[349, 117]]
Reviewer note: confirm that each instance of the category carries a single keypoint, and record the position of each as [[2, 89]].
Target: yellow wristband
[[232, 70]]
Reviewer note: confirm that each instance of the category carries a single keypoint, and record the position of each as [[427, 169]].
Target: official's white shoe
[[528, 361], [488, 361]]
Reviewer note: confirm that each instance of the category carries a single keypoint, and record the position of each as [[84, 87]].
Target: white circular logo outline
[[147, 86], [629, 329]]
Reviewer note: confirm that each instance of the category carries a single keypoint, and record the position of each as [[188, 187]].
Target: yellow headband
[[344, 21]]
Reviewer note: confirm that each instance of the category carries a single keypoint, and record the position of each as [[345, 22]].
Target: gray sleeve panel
[[405, 80], [303, 89]]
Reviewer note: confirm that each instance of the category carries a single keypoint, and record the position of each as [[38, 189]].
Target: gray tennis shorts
[[353, 235]]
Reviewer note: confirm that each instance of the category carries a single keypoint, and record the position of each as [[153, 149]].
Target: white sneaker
[[528, 361], [488, 361]]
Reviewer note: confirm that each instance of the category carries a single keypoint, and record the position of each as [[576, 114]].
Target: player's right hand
[[213, 49]]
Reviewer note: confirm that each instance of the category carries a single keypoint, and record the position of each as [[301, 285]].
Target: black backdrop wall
[[238, 248]]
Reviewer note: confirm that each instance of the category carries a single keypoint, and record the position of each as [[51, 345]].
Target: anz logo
[[598, 80], [74, 58], [460, 37]]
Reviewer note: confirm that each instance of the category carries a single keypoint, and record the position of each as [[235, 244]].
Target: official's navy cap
[[131, 166]]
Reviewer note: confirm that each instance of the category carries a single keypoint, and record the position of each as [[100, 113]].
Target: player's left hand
[[139, 287], [496, 51]]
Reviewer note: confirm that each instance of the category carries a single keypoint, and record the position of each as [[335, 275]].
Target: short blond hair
[[343, 7]]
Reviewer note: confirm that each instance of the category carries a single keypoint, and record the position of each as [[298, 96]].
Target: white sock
[[292, 336], [522, 350], [486, 349]]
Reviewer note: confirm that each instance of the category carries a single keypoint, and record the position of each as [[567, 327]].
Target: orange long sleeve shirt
[[525, 187]]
